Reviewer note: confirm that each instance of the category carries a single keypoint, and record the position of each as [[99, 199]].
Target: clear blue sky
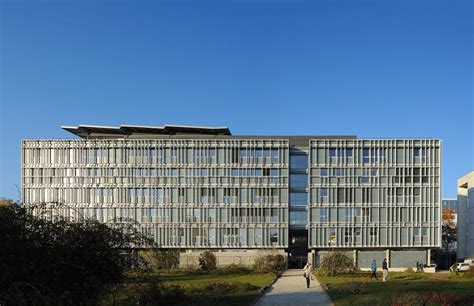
[[376, 69]]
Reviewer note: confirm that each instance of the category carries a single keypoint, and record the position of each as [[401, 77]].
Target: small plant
[[336, 263], [270, 264], [207, 261]]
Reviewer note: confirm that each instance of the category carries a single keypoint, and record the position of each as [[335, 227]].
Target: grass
[[401, 288], [196, 287]]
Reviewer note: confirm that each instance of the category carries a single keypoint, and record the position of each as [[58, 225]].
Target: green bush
[[207, 261], [165, 259], [234, 269], [336, 263], [270, 264]]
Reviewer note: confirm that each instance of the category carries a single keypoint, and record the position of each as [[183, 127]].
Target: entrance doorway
[[298, 251]]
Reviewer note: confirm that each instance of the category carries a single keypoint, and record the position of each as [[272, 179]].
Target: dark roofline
[[85, 131]]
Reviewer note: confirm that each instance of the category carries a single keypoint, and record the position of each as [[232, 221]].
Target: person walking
[[384, 270], [373, 268], [308, 273]]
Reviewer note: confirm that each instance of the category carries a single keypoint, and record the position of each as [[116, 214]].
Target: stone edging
[[262, 290]]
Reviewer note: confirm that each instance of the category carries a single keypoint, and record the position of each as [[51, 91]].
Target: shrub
[[270, 264], [165, 259], [406, 298], [440, 298], [219, 289], [336, 263], [409, 271], [235, 269], [57, 262], [207, 261], [154, 293], [357, 288]]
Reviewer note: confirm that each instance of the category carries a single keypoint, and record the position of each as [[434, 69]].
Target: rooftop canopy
[[86, 131]]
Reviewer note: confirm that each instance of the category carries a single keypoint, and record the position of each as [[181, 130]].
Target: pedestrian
[[373, 268], [384, 269], [308, 273], [417, 266]]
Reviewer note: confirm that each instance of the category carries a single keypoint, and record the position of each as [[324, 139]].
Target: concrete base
[[427, 270], [397, 259], [247, 258]]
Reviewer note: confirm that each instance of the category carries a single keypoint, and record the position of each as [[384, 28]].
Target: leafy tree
[[336, 263], [59, 262], [448, 234], [4, 201], [207, 261]]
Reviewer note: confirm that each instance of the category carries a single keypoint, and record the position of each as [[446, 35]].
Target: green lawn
[[197, 288], [400, 289]]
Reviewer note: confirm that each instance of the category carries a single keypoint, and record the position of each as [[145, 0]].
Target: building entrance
[[298, 251]]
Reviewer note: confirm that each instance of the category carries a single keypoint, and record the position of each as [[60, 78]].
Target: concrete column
[[311, 256], [428, 259], [355, 257]]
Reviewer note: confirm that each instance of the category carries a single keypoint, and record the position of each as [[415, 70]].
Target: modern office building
[[193, 188], [465, 228]]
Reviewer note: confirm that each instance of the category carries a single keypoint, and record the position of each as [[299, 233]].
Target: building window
[[365, 214], [258, 236], [273, 235], [332, 239], [298, 199], [323, 215], [299, 161], [373, 235], [348, 152], [348, 214], [324, 172], [298, 181], [357, 214], [348, 235], [357, 234], [366, 156], [298, 217], [323, 192], [332, 153], [339, 172], [234, 172], [416, 152]]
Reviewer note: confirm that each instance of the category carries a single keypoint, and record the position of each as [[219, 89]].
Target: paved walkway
[[290, 289]]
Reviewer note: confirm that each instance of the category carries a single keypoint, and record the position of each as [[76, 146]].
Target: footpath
[[290, 289]]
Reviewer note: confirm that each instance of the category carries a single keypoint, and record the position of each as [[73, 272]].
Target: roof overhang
[[86, 131]]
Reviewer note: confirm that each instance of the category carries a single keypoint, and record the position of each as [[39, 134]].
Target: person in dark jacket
[[384, 269], [373, 268]]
